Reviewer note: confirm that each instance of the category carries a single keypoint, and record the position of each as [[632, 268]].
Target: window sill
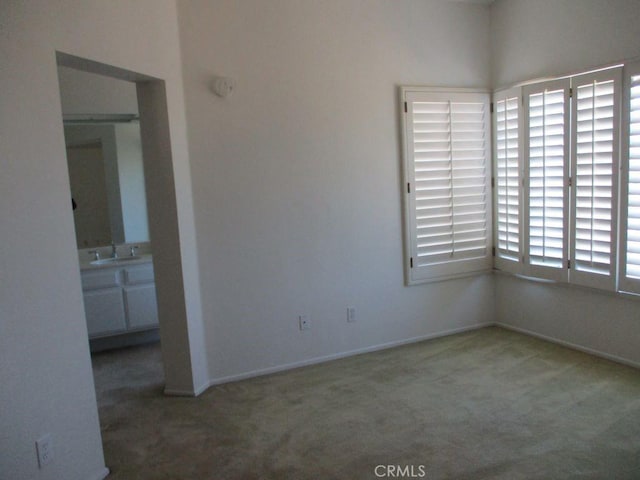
[[571, 286]]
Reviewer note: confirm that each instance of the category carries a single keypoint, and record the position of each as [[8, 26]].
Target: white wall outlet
[[305, 322], [44, 448], [351, 314]]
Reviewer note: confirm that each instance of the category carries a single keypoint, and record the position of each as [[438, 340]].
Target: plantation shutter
[[630, 218], [546, 108], [594, 174], [447, 145], [508, 192]]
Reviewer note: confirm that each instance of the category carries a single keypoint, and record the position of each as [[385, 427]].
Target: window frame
[[541, 271], [625, 284], [502, 260], [576, 275], [607, 274], [415, 274]]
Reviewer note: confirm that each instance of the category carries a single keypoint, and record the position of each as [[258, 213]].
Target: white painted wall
[[601, 323], [532, 39], [297, 174], [45, 370], [85, 92], [551, 37]]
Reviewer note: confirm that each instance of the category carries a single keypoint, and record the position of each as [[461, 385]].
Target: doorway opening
[[174, 267], [108, 195]]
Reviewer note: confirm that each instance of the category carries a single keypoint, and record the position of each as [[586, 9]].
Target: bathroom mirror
[[104, 156], [107, 182]]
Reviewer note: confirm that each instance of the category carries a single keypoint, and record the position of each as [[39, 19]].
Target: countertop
[[119, 263]]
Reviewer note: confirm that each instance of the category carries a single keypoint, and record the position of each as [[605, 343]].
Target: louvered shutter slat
[[507, 179], [631, 257], [594, 165], [450, 140], [546, 171], [446, 147]]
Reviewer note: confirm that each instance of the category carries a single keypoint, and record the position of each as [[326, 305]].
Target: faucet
[[95, 253], [114, 252], [132, 250]]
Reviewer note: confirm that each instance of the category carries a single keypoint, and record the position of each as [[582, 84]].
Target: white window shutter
[[446, 151], [546, 109], [594, 171], [507, 119], [630, 192]]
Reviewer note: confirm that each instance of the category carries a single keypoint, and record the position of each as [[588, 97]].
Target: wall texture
[[546, 38], [297, 175], [84, 92], [45, 370], [532, 39], [601, 323]]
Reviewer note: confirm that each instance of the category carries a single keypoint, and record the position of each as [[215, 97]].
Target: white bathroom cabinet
[[119, 299]]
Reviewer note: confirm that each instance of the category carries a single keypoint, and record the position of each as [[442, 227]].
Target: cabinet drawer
[[138, 274], [101, 279]]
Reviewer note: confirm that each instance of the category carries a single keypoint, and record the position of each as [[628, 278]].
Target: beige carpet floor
[[487, 404]]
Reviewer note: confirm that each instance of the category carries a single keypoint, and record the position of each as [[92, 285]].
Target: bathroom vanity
[[119, 296]]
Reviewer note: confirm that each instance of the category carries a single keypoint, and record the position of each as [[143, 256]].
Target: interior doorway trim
[[171, 229]]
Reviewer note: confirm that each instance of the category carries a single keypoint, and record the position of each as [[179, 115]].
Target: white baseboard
[[202, 388], [101, 475], [172, 392], [573, 346], [337, 356]]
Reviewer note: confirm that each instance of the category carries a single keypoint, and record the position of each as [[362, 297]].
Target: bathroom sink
[[107, 261]]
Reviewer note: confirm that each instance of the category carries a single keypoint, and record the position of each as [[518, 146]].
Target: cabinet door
[[104, 310], [142, 310], [138, 274]]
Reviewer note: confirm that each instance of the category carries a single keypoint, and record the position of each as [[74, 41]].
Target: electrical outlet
[[44, 448], [305, 322], [351, 314]]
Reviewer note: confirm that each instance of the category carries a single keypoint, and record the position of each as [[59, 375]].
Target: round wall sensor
[[223, 86]]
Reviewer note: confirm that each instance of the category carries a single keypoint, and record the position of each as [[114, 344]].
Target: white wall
[[297, 174], [605, 324], [84, 92], [543, 38], [532, 39], [45, 370]]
